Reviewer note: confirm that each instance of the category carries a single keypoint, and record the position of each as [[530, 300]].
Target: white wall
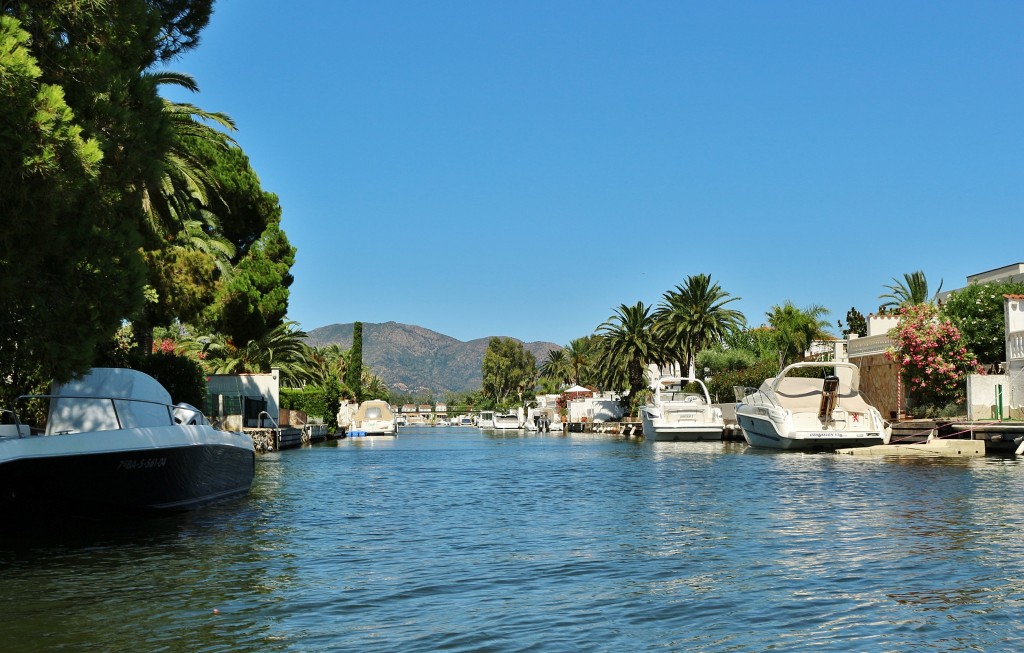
[[267, 386], [981, 395], [1013, 307], [595, 409]]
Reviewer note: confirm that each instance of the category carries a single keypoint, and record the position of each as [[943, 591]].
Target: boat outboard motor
[[829, 398]]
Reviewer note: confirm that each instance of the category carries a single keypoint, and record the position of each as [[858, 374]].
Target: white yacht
[[374, 417], [676, 414], [810, 413], [112, 442], [506, 421]]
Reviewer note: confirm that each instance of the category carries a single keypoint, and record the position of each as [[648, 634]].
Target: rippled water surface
[[456, 540]]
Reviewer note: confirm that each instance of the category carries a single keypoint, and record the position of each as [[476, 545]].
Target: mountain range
[[418, 361]]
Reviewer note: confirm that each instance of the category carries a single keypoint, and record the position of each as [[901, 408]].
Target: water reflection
[[449, 539]]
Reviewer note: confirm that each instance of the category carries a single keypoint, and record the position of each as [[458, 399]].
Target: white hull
[[679, 416], [658, 429], [506, 423], [376, 428], [374, 417], [801, 413], [762, 432]]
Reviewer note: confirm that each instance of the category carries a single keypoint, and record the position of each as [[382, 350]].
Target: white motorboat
[[113, 442], [676, 414], [374, 417], [806, 413], [506, 421], [542, 420]]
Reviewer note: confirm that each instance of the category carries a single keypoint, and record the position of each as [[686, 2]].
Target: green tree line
[[133, 226]]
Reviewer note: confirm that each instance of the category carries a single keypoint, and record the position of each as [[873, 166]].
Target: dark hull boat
[[113, 443]]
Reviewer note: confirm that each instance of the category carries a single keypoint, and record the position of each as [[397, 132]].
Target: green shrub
[[312, 400], [721, 384], [182, 377], [724, 360]]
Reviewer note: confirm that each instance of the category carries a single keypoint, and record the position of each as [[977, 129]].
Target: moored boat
[[804, 413], [676, 414], [506, 421], [112, 441], [374, 417]]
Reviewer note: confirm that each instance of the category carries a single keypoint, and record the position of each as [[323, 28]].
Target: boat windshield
[[63, 414]]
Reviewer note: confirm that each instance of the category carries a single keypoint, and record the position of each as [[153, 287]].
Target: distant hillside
[[415, 360]]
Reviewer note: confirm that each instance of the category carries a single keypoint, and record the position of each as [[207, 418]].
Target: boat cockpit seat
[[188, 415]]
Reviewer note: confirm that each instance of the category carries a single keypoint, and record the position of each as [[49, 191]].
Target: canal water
[[457, 540]]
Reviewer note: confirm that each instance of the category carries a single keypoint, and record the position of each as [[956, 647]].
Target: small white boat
[[542, 420], [374, 417], [486, 419], [112, 441], [506, 421], [804, 413], [677, 415]]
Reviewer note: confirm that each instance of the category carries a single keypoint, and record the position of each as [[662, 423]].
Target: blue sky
[[523, 168]]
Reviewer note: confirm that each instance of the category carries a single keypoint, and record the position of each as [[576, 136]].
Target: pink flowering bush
[[934, 361]]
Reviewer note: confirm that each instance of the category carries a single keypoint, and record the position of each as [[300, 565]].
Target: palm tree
[[320, 366], [694, 317], [556, 367], [178, 192], [373, 385], [182, 183], [580, 354], [204, 236], [911, 291], [282, 347], [627, 345], [796, 329]]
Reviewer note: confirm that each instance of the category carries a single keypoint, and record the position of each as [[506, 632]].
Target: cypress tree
[[354, 373]]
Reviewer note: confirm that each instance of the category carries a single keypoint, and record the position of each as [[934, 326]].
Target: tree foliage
[[509, 372], [761, 341], [255, 299], [282, 347], [354, 373], [626, 344], [68, 268], [913, 289], [795, 330], [932, 357], [111, 198], [855, 323], [556, 367], [977, 311], [694, 316]]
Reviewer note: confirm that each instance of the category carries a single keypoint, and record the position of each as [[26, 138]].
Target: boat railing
[[102, 413]]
